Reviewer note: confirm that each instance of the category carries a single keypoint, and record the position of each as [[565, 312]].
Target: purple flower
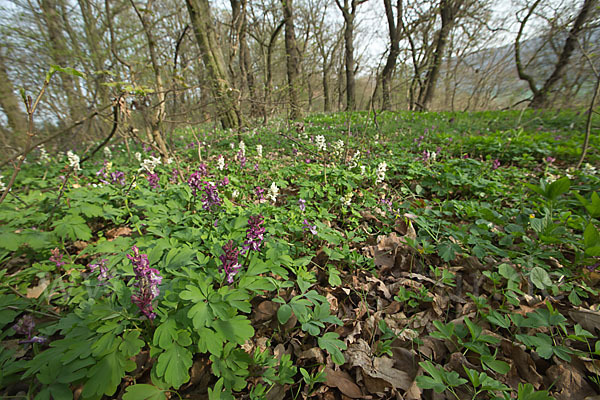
[[100, 265], [306, 226], [210, 196], [496, 164], [242, 159], [230, 261], [118, 177], [146, 282], [255, 234], [302, 204], [550, 160], [174, 176], [153, 180], [56, 257], [195, 180], [260, 192], [224, 182], [24, 326]]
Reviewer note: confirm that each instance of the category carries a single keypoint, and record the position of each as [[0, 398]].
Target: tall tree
[[540, 95], [292, 56], [448, 10], [9, 102], [394, 30], [348, 9], [212, 57], [240, 25]]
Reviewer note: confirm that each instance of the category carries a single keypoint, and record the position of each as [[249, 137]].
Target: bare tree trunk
[[201, 19], [292, 56], [540, 98], [240, 22], [448, 11], [9, 102], [159, 109], [59, 53], [394, 28], [269, 77]]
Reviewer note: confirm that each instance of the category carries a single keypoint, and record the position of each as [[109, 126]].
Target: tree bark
[[448, 11], [292, 56], [212, 57], [540, 98], [394, 28], [9, 102]]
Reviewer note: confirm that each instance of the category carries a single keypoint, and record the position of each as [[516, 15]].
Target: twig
[[116, 104]]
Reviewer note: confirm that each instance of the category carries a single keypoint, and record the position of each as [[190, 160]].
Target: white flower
[[232, 146], [380, 173], [170, 160], [44, 157], [73, 161], [321, 145], [149, 164], [354, 158], [235, 193], [273, 192], [347, 199], [138, 156], [363, 170], [589, 169], [2, 185], [259, 150], [220, 163], [338, 147], [107, 152], [243, 148]]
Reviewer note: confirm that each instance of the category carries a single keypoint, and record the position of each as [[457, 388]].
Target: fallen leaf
[[36, 291], [344, 382]]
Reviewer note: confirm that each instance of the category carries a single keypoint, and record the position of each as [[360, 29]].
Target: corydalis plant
[[146, 283], [255, 234], [229, 260]]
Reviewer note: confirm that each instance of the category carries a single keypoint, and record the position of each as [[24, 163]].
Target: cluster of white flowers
[[170, 160], [2, 185], [107, 152], [363, 170], [232, 145], [380, 173], [347, 199], [73, 161], [243, 148], [259, 150], [589, 169], [235, 193], [273, 192], [338, 147], [320, 141], [149, 164], [221, 163], [44, 157], [138, 156], [353, 160]]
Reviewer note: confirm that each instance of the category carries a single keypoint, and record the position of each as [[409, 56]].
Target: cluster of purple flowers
[[113, 177], [25, 327], [495, 164], [174, 176], [118, 177], [100, 265], [210, 196], [255, 234], [146, 282], [56, 257], [260, 193], [230, 260], [153, 180], [195, 180]]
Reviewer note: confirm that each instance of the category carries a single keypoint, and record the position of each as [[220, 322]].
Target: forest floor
[[415, 255]]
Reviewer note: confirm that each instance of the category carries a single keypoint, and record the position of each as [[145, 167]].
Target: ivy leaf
[[143, 392], [173, 365], [333, 345]]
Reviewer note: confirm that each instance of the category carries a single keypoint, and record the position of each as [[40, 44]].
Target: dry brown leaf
[[381, 286], [569, 381], [588, 319], [265, 311], [114, 233], [313, 353], [344, 382], [36, 291]]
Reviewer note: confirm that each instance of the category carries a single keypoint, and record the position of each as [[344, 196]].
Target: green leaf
[[131, 345], [72, 226], [284, 313], [540, 278], [558, 187], [106, 375], [143, 391], [237, 329], [173, 365], [448, 251], [330, 342], [165, 334], [66, 70]]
